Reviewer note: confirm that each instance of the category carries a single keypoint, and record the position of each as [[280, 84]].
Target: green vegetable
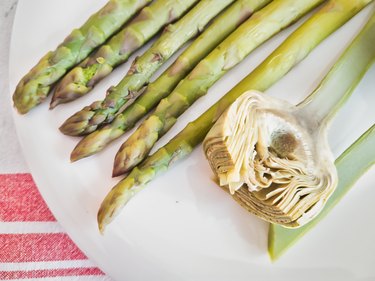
[[252, 33], [174, 36], [351, 165], [294, 49], [149, 21], [221, 27], [35, 86]]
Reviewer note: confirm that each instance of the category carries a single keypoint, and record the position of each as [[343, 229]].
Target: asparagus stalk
[[293, 50], [351, 165], [221, 27], [264, 24], [35, 86], [81, 79], [101, 112]]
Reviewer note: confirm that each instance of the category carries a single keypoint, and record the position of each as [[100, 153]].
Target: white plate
[[182, 227]]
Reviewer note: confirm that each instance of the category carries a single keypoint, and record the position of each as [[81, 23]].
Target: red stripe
[[20, 199], [38, 247], [8, 275]]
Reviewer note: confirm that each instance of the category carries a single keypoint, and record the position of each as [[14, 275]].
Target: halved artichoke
[[273, 160]]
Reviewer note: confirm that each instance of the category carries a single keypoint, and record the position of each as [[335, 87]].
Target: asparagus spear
[[149, 21], [265, 23], [351, 165], [35, 86], [174, 36], [221, 27], [294, 49]]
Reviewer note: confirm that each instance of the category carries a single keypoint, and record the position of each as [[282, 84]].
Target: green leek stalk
[[293, 50], [35, 86]]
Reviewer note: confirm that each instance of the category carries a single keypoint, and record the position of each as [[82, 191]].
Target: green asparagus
[[264, 24], [294, 49], [81, 79], [351, 165], [100, 112], [221, 27], [35, 86]]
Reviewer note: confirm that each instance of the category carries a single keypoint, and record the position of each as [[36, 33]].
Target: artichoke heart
[[271, 160]]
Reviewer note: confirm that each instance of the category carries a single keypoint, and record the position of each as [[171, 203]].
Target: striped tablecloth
[[33, 245]]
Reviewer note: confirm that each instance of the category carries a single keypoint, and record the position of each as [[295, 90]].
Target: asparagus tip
[[54, 103], [124, 161], [20, 106], [102, 219], [120, 166], [101, 228], [109, 208], [74, 127], [75, 155], [117, 171], [63, 129], [83, 149], [20, 110], [117, 198]]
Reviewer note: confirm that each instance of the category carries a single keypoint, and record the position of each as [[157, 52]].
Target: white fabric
[[11, 159]]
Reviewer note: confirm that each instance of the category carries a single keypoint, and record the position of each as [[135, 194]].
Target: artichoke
[[271, 159]]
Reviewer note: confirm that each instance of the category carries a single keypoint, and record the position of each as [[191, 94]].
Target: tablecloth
[[33, 245]]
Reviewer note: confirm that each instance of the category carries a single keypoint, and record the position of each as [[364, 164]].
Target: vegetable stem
[[340, 82]]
